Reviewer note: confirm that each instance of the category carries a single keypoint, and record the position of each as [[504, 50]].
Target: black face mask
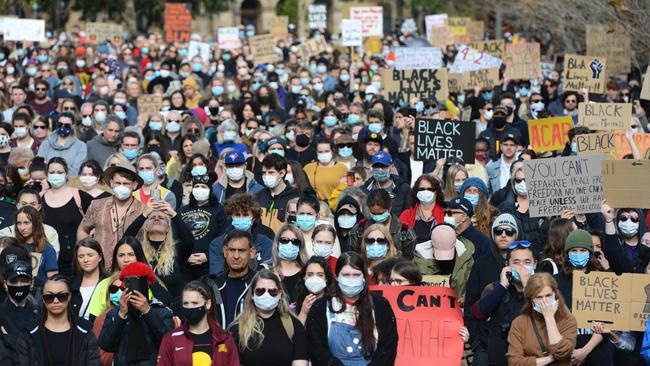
[[193, 315], [302, 140], [499, 122], [291, 219], [18, 293], [213, 111]]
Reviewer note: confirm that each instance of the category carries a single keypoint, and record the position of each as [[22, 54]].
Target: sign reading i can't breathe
[[435, 139]]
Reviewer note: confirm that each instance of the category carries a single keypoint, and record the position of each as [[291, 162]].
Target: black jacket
[[218, 285], [400, 193], [15, 321], [30, 348], [279, 202], [76, 300]]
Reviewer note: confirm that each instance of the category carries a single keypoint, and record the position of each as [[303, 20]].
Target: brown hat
[[344, 139], [501, 109], [126, 168], [201, 147]]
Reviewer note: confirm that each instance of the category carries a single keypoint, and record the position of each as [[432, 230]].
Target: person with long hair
[[405, 273], [307, 218], [88, 269], [454, 179], [266, 330], [63, 144], [545, 332], [377, 245], [90, 177], [286, 261], [59, 339], [325, 173], [30, 233], [554, 254], [323, 240], [476, 192], [426, 208], [352, 327], [316, 281], [200, 339]]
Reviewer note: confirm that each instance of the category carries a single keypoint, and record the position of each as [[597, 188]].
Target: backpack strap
[[539, 338], [287, 324]]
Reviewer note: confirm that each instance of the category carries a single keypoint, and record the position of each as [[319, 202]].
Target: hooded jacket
[[99, 150], [219, 187], [218, 285], [343, 234], [73, 151], [400, 192], [279, 202], [631, 251]]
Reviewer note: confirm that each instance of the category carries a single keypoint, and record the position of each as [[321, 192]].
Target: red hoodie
[[177, 345], [409, 215]]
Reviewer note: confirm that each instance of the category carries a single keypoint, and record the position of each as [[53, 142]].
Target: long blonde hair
[[392, 250], [275, 255], [251, 325], [450, 189], [165, 261]]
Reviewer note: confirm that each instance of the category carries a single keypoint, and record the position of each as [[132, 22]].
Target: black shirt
[[56, 353], [303, 157], [206, 223], [234, 289], [230, 190], [289, 283], [202, 350], [276, 348]]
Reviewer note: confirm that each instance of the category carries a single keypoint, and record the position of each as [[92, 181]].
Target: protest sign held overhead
[[641, 140], [263, 49], [441, 36], [149, 104], [425, 84], [564, 183], [351, 33], [100, 32], [625, 183], [229, 38], [317, 16], [522, 60], [611, 44], [458, 26], [434, 21], [484, 79], [279, 26], [15, 29], [549, 134], [435, 139], [312, 47], [584, 72], [371, 18], [605, 116], [468, 59], [178, 22], [595, 143], [496, 48], [418, 58]]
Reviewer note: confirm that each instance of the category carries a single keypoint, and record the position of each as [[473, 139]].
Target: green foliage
[[289, 8]]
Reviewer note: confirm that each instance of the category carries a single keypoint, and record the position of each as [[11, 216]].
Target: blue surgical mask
[[321, 69], [376, 84], [305, 222], [150, 77], [155, 126], [304, 81], [242, 223], [42, 58], [115, 297], [345, 77], [226, 57], [56, 180], [345, 152], [574, 147], [131, 154], [199, 170], [461, 98], [217, 90], [374, 68], [376, 251], [197, 67], [579, 260], [256, 85], [313, 68], [182, 52], [147, 176], [351, 286], [472, 198], [381, 174], [419, 107], [523, 92], [517, 277], [381, 218], [288, 251], [375, 127], [538, 307], [330, 121], [353, 118], [487, 95]]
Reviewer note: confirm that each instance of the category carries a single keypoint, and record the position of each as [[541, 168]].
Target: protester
[[88, 269], [316, 281]]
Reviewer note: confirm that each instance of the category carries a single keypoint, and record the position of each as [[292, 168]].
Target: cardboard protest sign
[[434, 21], [612, 44], [279, 26], [595, 143], [100, 32], [645, 90], [549, 134], [17, 29], [522, 60], [458, 26], [425, 84], [198, 49], [564, 183], [440, 36], [317, 15], [311, 47], [605, 116], [263, 49], [466, 113], [428, 321], [484, 78], [622, 302], [455, 81], [351, 33], [178, 22], [475, 30], [229, 38], [584, 72], [496, 48], [409, 26], [149, 104], [641, 140], [418, 58], [371, 17], [435, 139], [436, 280], [625, 183], [468, 59]]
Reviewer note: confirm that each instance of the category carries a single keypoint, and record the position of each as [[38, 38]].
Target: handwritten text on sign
[[229, 38], [605, 116], [595, 143], [371, 17], [468, 59], [549, 134], [522, 60], [418, 58], [351, 34], [435, 139], [564, 183], [496, 48], [425, 84], [584, 72], [178, 22], [428, 321]]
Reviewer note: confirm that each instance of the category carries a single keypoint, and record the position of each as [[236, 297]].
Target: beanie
[[507, 220], [474, 182], [579, 239]]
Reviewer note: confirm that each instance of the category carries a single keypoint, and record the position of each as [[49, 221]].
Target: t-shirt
[[325, 179], [202, 350], [234, 288], [46, 260], [206, 223], [276, 348], [289, 283], [57, 350], [231, 191]]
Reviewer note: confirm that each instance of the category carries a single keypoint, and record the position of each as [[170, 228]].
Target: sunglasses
[[193, 130], [345, 145], [40, 127], [571, 101], [173, 120], [451, 213], [519, 244], [376, 241], [61, 296], [535, 100], [86, 115], [625, 218], [430, 189], [499, 231], [67, 109], [295, 242], [519, 180], [272, 291], [113, 289], [65, 125]]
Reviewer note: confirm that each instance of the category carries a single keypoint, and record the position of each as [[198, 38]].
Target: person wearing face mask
[[64, 144], [545, 331], [346, 215], [307, 219], [266, 329], [499, 170], [274, 197], [475, 191], [382, 178], [200, 336], [22, 123], [316, 282], [325, 174], [458, 214], [107, 143], [352, 327], [90, 175], [303, 150], [496, 130], [629, 223], [486, 112], [571, 146], [377, 247], [426, 208], [237, 179]]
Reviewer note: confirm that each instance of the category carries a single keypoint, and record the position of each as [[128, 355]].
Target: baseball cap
[[18, 269], [235, 157], [460, 203], [276, 140], [10, 255], [350, 207], [511, 136], [382, 158], [501, 109], [443, 239], [375, 137]]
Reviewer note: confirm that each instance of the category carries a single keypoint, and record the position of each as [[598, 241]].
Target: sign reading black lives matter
[[565, 183], [435, 139]]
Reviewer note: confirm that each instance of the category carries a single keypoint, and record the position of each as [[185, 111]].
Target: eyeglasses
[[536, 100], [519, 244], [345, 145], [40, 127], [375, 241], [193, 130], [68, 109], [113, 289], [625, 218], [519, 180], [295, 242], [61, 296], [65, 125], [40, 89], [86, 115], [498, 231], [451, 213], [572, 101], [173, 120], [272, 291], [67, 84], [398, 282]]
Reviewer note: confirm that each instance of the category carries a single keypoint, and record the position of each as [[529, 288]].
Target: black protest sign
[[425, 84], [435, 139]]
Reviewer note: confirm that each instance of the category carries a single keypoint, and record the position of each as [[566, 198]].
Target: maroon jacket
[[176, 347]]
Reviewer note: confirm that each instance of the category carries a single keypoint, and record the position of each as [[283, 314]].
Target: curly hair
[[241, 203]]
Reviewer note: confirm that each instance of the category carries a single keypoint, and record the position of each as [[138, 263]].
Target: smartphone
[[136, 283], [509, 276], [350, 179], [155, 195]]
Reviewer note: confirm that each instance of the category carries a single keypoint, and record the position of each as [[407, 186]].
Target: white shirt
[[504, 173], [86, 294], [416, 170]]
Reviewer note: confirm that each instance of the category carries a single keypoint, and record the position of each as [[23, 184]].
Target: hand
[[599, 328], [578, 356], [596, 68], [165, 207], [503, 279], [344, 179], [150, 207], [124, 303], [548, 310], [523, 274], [567, 214], [307, 303], [607, 211], [603, 261], [197, 259], [139, 302], [441, 162], [638, 110], [174, 154], [410, 122], [629, 134], [464, 334]]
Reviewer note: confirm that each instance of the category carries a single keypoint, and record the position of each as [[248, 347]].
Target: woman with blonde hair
[[377, 245], [454, 179], [266, 329], [545, 332]]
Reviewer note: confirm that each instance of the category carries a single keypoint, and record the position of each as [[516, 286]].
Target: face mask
[[18, 293], [10, 70], [88, 181], [270, 181], [419, 107], [538, 307], [4, 140], [273, 85], [305, 222], [351, 286], [56, 180], [226, 57], [31, 71], [302, 140], [381, 217], [235, 174], [295, 89], [318, 87], [499, 122], [523, 92], [197, 67], [266, 302], [131, 154], [315, 284], [375, 127], [353, 119], [321, 69], [20, 132], [115, 297], [381, 174], [304, 81], [488, 115], [217, 90], [628, 228], [472, 198], [122, 192], [345, 78], [330, 121], [199, 170], [193, 315], [289, 178], [461, 98], [376, 251], [325, 158], [374, 68], [229, 135], [517, 277], [579, 260], [64, 131], [103, 90], [164, 73], [42, 58], [369, 97], [242, 223], [323, 250], [450, 220], [173, 127], [574, 147], [100, 116], [426, 196], [487, 95], [147, 176], [521, 189], [288, 251], [201, 194], [345, 152], [277, 152], [346, 221], [86, 121], [182, 52]]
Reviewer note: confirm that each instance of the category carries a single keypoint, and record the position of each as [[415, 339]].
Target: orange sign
[[549, 134], [178, 22], [428, 322], [642, 141]]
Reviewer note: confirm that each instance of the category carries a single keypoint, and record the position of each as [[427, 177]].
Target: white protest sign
[[418, 58], [229, 38], [470, 59], [351, 33], [371, 17], [317, 16], [434, 21], [16, 29], [198, 49]]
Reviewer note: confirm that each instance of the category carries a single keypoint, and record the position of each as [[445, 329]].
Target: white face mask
[[325, 158], [628, 228], [521, 189], [103, 90], [100, 116], [450, 220], [315, 284], [173, 127], [289, 178], [88, 181], [488, 115], [270, 181], [346, 221], [20, 132], [426, 196], [122, 192], [235, 174], [86, 121], [201, 194], [323, 250]]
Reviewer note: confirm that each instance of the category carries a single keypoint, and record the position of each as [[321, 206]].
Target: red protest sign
[[428, 322], [178, 22]]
